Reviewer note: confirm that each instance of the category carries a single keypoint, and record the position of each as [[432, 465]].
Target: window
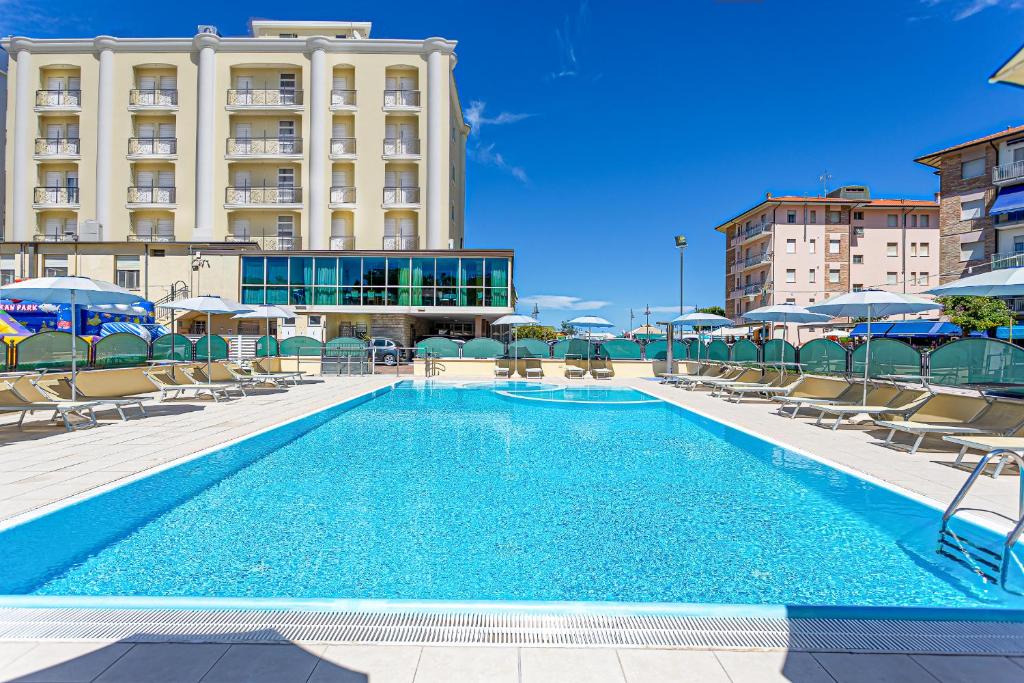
[[7, 265], [813, 217], [971, 209], [913, 220], [285, 226], [790, 246], [126, 271], [972, 251], [892, 249], [913, 278], [858, 258], [972, 168], [913, 248], [833, 246], [925, 221], [812, 275], [833, 275], [858, 215], [891, 278], [55, 266], [812, 246], [791, 216], [790, 300], [835, 217], [922, 279], [923, 249], [858, 288], [892, 220], [791, 275], [858, 231]]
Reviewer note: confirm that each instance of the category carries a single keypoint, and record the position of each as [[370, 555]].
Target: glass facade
[[376, 281]]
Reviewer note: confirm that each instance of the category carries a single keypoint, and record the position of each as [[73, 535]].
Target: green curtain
[[252, 270], [497, 272], [326, 271]]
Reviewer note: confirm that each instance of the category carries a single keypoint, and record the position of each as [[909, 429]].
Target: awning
[[908, 328], [877, 329], [1009, 199]]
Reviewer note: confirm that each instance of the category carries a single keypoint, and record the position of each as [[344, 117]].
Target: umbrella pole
[[74, 363], [209, 347], [867, 361], [515, 349]]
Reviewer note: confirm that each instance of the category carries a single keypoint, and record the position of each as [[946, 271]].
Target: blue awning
[[877, 329], [1003, 332], [923, 328], [1009, 199]]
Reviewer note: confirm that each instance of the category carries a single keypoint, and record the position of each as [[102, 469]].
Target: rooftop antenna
[[824, 178]]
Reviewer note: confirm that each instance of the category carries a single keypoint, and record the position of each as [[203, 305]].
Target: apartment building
[[804, 249], [193, 158]]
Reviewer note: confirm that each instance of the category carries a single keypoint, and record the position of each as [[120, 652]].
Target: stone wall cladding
[[952, 186], [841, 260]]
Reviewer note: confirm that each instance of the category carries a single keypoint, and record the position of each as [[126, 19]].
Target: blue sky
[[605, 128]]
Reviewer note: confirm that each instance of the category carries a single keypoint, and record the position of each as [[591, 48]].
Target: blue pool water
[[434, 492]]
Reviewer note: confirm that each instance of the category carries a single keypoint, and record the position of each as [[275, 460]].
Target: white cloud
[[561, 302], [964, 9], [567, 39], [670, 309], [474, 116], [485, 154]]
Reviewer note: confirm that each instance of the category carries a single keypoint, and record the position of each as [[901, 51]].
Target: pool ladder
[[992, 565]]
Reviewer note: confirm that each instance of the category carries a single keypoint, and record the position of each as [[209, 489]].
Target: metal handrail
[[400, 242], [58, 98], [344, 98], [343, 194], [56, 194], [264, 145], [401, 146], [58, 145], [401, 98], [154, 145], [151, 194], [153, 97], [343, 146], [1010, 171], [264, 97], [401, 195], [249, 194]]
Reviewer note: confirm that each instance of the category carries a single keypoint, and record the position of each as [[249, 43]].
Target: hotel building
[[802, 250], [306, 164]]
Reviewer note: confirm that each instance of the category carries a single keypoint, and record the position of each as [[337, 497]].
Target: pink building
[[805, 249]]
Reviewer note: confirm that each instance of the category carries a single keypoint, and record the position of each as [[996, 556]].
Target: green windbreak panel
[[5, 350], [574, 348], [482, 347], [888, 357], [529, 348], [172, 347], [620, 349], [658, 350], [976, 360], [49, 350], [773, 351], [300, 346], [120, 350], [745, 351], [823, 356], [266, 346], [718, 350], [439, 347], [344, 347], [696, 349], [218, 348]]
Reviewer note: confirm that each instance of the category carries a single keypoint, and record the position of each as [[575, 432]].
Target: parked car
[[383, 350]]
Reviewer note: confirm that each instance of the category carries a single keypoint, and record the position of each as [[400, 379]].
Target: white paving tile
[[672, 666], [468, 665], [57, 662], [366, 663], [567, 665], [772, 667], [265, 663]]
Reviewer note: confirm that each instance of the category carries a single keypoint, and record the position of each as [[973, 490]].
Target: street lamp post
[[681, 245]]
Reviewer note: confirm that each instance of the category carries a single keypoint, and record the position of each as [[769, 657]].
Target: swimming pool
[[431, 491]]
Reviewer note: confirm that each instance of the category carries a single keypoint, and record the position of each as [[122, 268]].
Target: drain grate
[[469, 628]]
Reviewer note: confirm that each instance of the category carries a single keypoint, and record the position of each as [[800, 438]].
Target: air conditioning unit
[[206, 28], [90, 231]]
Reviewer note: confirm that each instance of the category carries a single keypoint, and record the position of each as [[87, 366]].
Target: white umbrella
[[515, 320], [208, 305], [267, 312], [1002, 282], [698, 319], [872, 303], [73, 290], [590, 322], [785, 313]]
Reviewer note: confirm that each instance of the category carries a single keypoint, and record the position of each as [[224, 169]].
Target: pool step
[[982, 561]]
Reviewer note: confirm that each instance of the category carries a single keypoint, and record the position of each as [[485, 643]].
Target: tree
[[542, 332], [972, 313], [567, 329], [714, 310]]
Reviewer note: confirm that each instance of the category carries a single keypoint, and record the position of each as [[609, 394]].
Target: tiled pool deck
[[42, 466]]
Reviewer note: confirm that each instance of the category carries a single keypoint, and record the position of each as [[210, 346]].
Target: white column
[[23, 218], [104, 131], [317, 214], [205, 127], [437, 123]]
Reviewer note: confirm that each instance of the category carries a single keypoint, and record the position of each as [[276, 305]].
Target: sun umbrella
[[513, 321], [266, 312], [590, 322], [785, 313], [872, 303], [698, 319], [208, 305], [73, 290], [1002, 282]]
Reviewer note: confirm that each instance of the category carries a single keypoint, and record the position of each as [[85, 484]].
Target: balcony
[[264, 148], [58, 148], [278, 99], [343, 197], [1015, 304], [263, 197], [754, 231], [152, 148], [151, 196], [343, 100], [55, 196], [343, 148], [68, 236], [343, 242], [269, 242], [753, 288], [401, 148], [153, 99], [1007, 259], [401, 197], [400, 242], [401, 100], [58, 100], [1008, 173], [151, 233], [757, 259]]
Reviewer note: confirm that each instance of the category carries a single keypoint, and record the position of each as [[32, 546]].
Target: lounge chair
[[711, 372], [747, 376], [574, 371], [503, 368], [167, 384], [197, 375], [903, 403], [600, 369], [249, 377], [783, 384], [816, 390], [13, 401], [996, 418], [260, 365], [59, 389], [533, 368], [987, 444]]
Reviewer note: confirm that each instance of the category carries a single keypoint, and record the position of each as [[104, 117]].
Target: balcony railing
[[343, 194], [401, 98], [754, 288], [264, 146], [153, 97], [757, 259], [401, 146], [279, 97], [60, 236], [55, 147], [268, 242], [1016, 304], [152, 146], [1012, 171], [401, 195], [343, 147], [401, 242], [56, 194], [343, 98], [1007, 259], [151, 233], [754, 231], [151, 194], [343, 242], [247, 195], [59, 98]]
